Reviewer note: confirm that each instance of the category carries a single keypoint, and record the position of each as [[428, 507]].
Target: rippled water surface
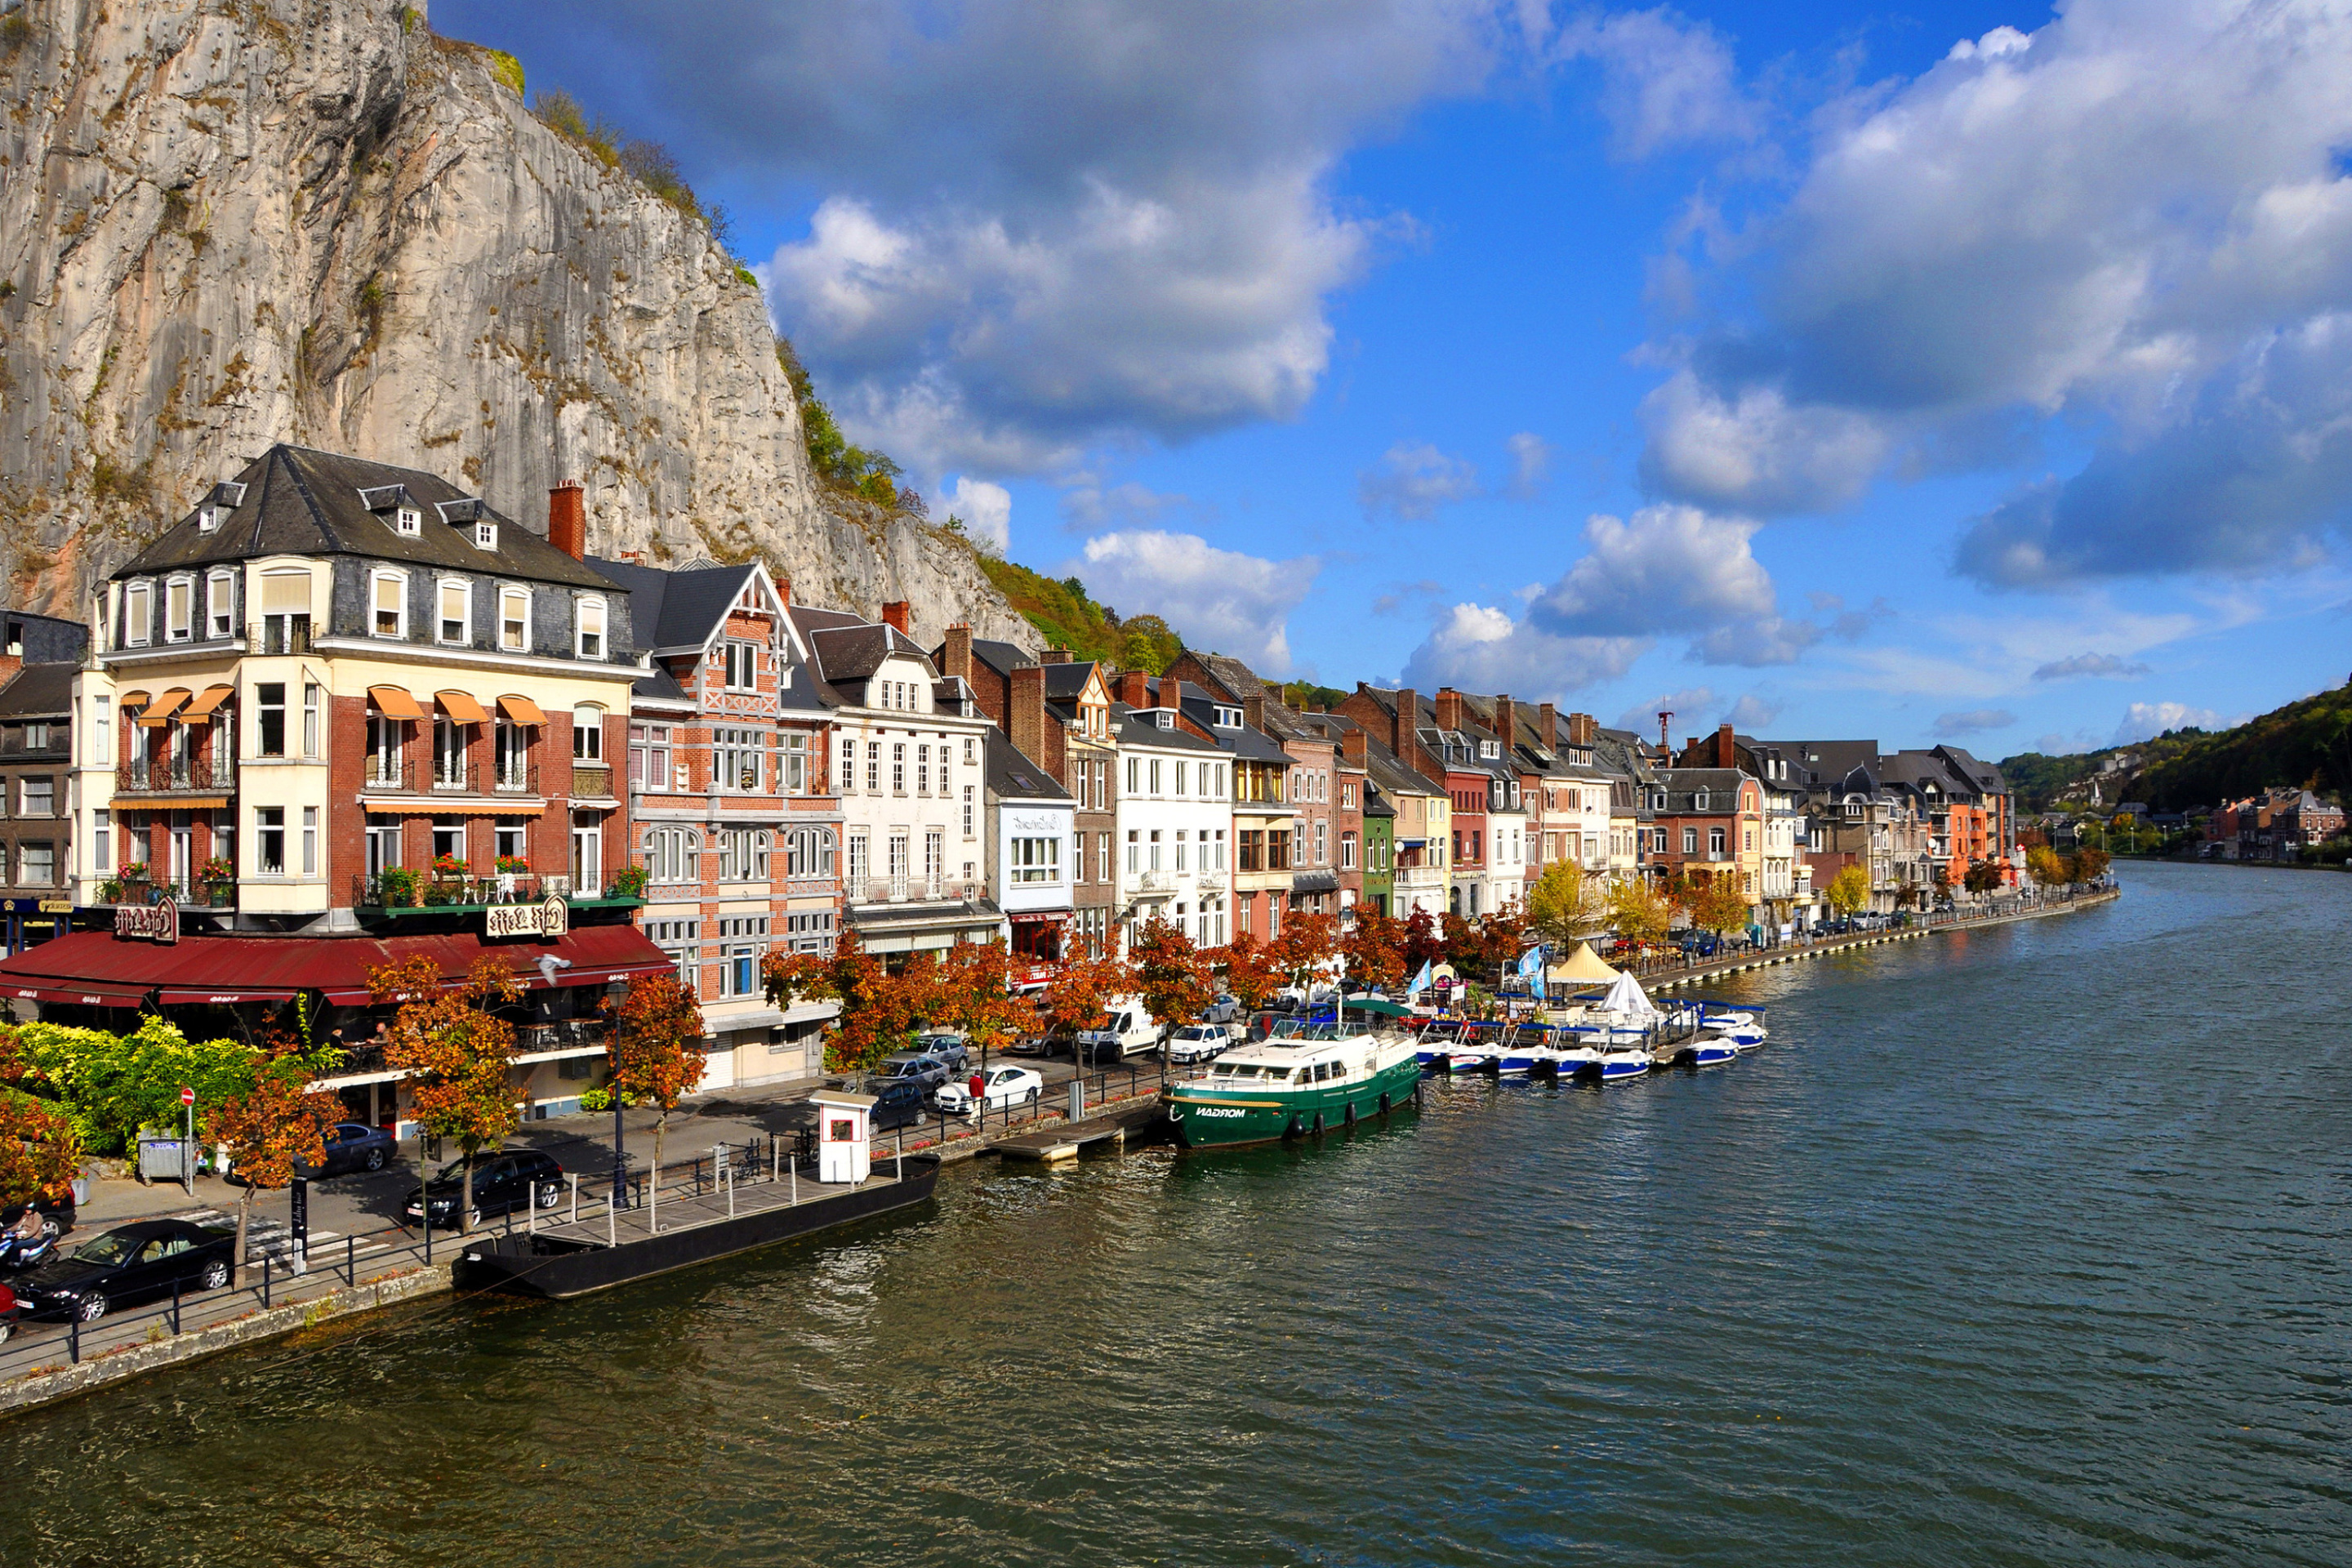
[[2021, 1246]]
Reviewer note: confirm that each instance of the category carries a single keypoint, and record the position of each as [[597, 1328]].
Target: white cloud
[[1665, 567], [1972, 721], [986, 511], [1479, 647], [2143, 719], [1220, 600], [1087, 502], [2105, 665], [1753, 712], [1413, 480], [1531, 458], [2133, 218], [1667, 81]]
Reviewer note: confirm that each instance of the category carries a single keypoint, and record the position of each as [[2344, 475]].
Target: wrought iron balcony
[[278, 634], [590, 781], [175, 775]]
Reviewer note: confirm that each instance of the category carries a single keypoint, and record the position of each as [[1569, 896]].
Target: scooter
[[19, 1253]]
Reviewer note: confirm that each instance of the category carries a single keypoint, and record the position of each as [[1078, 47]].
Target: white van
[[1130, 1031]]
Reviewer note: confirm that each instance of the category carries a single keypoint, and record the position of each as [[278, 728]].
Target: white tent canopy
[[1627, 999], [1582, 967]]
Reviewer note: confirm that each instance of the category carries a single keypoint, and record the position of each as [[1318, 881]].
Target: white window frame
[[510, 593], [138, 613], [584, 748], [220, 603], [376, 580], [593, 604], [441, 587], [186, 630]]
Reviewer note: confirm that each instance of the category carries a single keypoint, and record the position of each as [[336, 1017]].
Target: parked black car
[[129, 1263], [504, 1181], [351, 1146], [897, 1101]]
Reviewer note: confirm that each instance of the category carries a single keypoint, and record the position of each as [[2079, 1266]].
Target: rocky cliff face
[[225, 223]]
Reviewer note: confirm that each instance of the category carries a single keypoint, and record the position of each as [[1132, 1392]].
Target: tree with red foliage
[[655, 1046], [1171, 975], [1424, 943], [273, 1127], [1307, 941], [1080, 990], [1248, 973], [880, 1010], [1464, 944], [972, 994], [40, 1151], [1503, 935], [457, 1053], [1375, 951]]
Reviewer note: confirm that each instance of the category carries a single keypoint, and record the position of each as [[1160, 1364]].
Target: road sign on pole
[[187, 1095]]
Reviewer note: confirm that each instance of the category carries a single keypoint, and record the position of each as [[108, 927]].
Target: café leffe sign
[[148, 922], [549, 917]]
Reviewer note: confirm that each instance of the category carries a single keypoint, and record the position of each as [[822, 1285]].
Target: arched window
[[673, 854], [588, 735]]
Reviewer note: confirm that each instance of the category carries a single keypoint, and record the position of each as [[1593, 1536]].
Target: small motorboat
[[1471, 1056], [1712, 1050]]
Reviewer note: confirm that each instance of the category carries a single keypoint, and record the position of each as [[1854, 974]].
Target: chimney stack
[[1027, 729], [956, 656], [1054, 655], [1356, 747], [1254, 709], [1727, 748], [895, 614], [1134, 689], [1172, 693], [784, 592], [1449, 709], [1403, 729], [1507, 724], [1583, 729], [1547, 727], [567, 520]]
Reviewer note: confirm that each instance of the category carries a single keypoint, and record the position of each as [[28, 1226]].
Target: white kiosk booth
[[845, 1124]]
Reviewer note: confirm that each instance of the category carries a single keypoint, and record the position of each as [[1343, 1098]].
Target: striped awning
[[461, 706], [159, 712], [395, 702], [210, 698]]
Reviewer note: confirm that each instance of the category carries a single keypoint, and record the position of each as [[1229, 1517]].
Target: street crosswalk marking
[[266, 1237]]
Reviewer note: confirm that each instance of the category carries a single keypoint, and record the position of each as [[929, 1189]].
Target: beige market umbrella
[[1583, 967]]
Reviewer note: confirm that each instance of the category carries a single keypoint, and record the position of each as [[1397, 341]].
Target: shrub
[[596, 1099]]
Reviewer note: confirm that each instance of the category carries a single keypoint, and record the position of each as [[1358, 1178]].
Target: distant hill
[[1066, 618], [2305, 744]]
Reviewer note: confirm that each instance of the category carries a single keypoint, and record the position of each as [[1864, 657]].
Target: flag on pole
[[1420, 983]]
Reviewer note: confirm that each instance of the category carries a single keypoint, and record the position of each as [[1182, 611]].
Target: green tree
[[1638, 911], [1566, 905], [1717, 905]]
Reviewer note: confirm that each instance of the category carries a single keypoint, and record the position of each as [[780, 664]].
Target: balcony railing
[[562, 1034], [175, 775], [404, 889], [279, 634], [420, 776], [590, 781], [905, 890]]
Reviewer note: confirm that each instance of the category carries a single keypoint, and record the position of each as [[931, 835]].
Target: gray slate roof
[[39, 690], [676, 608], [1010, 776], [298, 501]]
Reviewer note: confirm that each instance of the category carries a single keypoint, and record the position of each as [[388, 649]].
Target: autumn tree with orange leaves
[[655, 1046], [971, 993], [1307, 941], [1080, 989], [41, 1152], [1247, 972], [273, 1128], [880, 1010], [1374, 950], [1171, 975], [457, 1053]]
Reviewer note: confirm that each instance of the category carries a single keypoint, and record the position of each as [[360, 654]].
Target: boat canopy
[[1628, 998], [1582, 967]]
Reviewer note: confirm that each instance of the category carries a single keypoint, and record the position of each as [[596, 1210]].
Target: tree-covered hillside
[[2306, 744], [1068, 619]]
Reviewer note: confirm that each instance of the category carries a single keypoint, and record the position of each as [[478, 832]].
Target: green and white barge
[[1303, 1079]]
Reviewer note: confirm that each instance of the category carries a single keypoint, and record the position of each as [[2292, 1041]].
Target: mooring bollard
[[793, 1191], [731, 1195]]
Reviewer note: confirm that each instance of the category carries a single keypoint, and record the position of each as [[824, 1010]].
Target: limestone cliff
[[225, 223]]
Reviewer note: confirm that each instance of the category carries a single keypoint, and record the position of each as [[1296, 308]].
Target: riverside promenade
[[360, 1263]]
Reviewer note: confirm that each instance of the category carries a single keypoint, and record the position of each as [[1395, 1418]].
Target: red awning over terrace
[[98, 969]]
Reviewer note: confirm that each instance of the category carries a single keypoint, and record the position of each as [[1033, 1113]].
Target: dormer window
[[1229, 718], [179, 606], [1164, 718], [137, 615], [207, 518], [1490, 750], [486, 536], [407, 521], [1699, 801]]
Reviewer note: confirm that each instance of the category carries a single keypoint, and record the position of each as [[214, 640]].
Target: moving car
[[951, 1048], [129, 1263], [1198, 1043], [999, 1086], [920, 1066], [504, 1181]]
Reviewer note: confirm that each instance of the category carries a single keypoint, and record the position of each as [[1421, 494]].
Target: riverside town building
[[344, 714]]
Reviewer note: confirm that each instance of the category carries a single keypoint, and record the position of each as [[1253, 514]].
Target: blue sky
[[1973, 373]]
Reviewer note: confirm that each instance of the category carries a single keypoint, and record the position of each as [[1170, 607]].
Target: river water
[[2024, 1246]]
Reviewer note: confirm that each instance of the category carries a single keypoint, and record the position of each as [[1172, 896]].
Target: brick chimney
[[1027, 729], [784, 592], [956, 656], [1402, 739], [1726, 754], [1254, 709], [1054, 655], [1507, 722], [1356, 747], [567, 519], [1547, 727], [1172, 693], [896, 614], [1449, 709], [1134, 689], [1583, 729]]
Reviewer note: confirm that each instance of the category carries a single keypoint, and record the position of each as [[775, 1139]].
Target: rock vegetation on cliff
[[226, 223]]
